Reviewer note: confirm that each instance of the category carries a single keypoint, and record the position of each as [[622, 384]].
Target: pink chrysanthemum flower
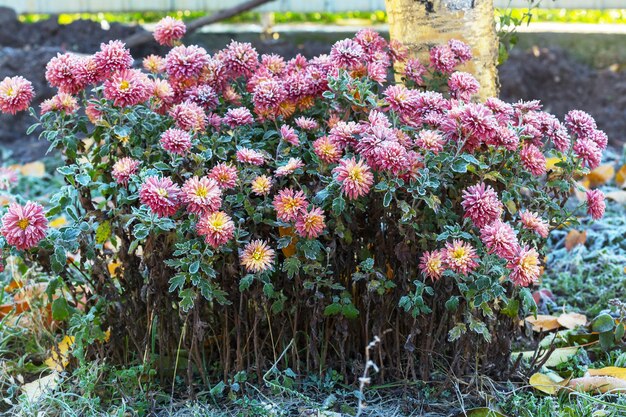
[[225, 175], [60, 102], [257, 256], [600, 138], [261, 185], [94, 113], [533, 160], [500, 239], [343, 133], [398, 51], [267, 97], [216, 227], [289, 204], [401, 100], [188, 116], [203, 95], [326, 150], [186, 62], [462, 85], [161, 195], [250, 156], [579, 122], [289, 168], [16, 94], [160, 91], [169, 30], [176, 141], [392, 156], [239, 116], [311, 224], [532, 221], [306, 123], [370, 40], [113, 57], [154, 64], [347, 54], [201, 195], [432, 264], [8, 177], [88, 72], [595, 204], [240, 58], [62, 72], [430, 140], [123, 169], [377, 71], [24, 226], [443, 59], [460, 257], [525, 267], [355, 177], [461, 50], [273, 62], [289, 135], [481, 204], [588, 152], [127, 88], [414, 70]]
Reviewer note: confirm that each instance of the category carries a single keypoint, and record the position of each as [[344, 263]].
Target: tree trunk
[[422, 23]]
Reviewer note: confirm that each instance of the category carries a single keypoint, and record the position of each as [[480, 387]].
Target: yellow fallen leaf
[[601, 175], [620, 177], [551, 163], [543, 322], [549, 383], [618, 196], [107, 335], [114, 268], [34, 169], [58, 222], [575, 238], [572, 320], [59, 356], [600, 384], [613, 371], [35, 389], [557, 357], [290, 249]]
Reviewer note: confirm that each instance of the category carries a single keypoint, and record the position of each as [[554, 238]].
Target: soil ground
[[561, 79]]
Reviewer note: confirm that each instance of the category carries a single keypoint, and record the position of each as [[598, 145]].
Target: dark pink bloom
[[225, 175], [347, 54], [201, 195], [595, 204], [24, 226], [203, 95], [500, 239], [127, 88], [188, 116], [533, 160], [176, 141], [414, 70], [462, 85], [240, 58], [355, 178], [184, 62], [579, 122], [289, 135], [588, 152], [481, 204], [239, 116], [63, 72], [462, 51], [161, 195], [113, 57], [443, 59]]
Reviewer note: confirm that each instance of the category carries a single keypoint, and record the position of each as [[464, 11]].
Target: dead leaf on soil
[[549, 383], [618, 196], [572, 320], [600, 384], [601, 175], [59, 356], [543, 322], [575, 238], [482, 412], [620, 177], [613, 371], [34, 169], [557, 357], [35, 389]]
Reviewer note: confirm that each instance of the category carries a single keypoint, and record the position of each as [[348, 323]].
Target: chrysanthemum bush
[[239, 205]]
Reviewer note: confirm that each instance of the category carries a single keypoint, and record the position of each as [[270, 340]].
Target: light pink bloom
[[430, 140], [176, 141], [310, 224], [225, 175], [216, 227], [123, 169], [261, 185], [532, 221], [113, 57], [154, 64], [500, 239], [201, 195], [525, 267], [185, 62], [289, 204], [16, 94], [60, 102], [355, 177], [595, 204], [432, 264], [326, 150], [289, 135], [306, 123], [188, 116], [289, 168], [169, 30], [257, 256], [240, 58], [250, 156], [62, 72], [462, 85], [127, 88], [239, 116], [460, 257], [8, 177], [24, 226], [533, 160]]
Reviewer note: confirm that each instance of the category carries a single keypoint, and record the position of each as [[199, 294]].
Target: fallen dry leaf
[[290, 249], [620, 177], [572, 320], [575, 238], [618, 196], [549, 383], [600, 384], [613, 371], [59, 356], [58, 222], [34, 169], [35, 389], [601, 175], [551, 163], [543, 322], [557, 357]]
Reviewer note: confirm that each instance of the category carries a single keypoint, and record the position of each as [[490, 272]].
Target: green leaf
[[453, 303], [603, 323], [332, 309], [103, 232], [460, 166], [607, 339], [194, 267], [187, 298], [511, 308], [60, 309], [291, 266], [349, 311], [387, 199], [141, 232], [177, 281], [83, 179], [339, 204], [245, 282]]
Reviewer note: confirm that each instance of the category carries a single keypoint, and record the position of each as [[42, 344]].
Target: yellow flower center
[[162, 192], [202, 192], [23, 224], [11, 92], [355, 174], [458, 253], [257, 255], [124, 85]]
